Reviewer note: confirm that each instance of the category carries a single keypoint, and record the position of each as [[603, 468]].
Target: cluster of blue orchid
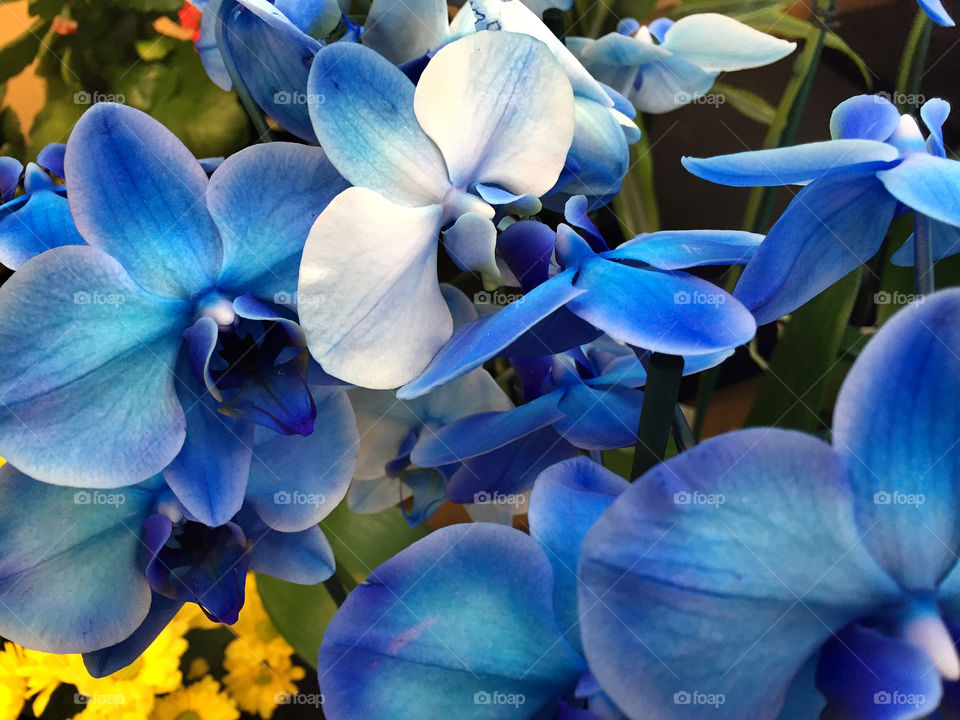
[[200, 359]]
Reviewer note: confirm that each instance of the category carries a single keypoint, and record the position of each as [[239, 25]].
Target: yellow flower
[[201, 701], [198, 668], [254, 627], [13, 686], [260, 681]]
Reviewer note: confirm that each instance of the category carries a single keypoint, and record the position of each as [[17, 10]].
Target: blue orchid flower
[[876, 166], [39, 219], [491, 120], [269, 44], [392, 430], [117, 565], [669, 64], [935, 11], [576, 289], [159, 343], [488, 624], [829, 570]]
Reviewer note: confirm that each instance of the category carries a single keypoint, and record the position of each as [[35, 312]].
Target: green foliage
[[20, 52]]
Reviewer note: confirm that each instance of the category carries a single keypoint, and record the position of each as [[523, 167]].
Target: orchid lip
[[218, 307], [457, 202], [924, 628]]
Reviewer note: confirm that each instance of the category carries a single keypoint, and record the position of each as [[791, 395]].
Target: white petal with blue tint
[[87, 361], [668, 84], [719, 43], [363, 116], [137, 193], [378, 328], [472, 242], [500, 108], [402, 30]]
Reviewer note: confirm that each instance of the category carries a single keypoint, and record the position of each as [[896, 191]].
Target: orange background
[[25, 93]]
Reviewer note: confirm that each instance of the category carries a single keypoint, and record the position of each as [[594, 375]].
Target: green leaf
[[46, 9], [793, 393], [156, 48], [636, 204], [58, 115], [747, 103], [20, 52], [300, 613], [363, 542]]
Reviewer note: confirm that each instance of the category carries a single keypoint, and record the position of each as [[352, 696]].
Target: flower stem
[[923, 278], [336, 589], [664, 373], [911, 64]]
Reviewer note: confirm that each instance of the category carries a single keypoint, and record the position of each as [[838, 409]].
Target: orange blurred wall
[[25, 93]]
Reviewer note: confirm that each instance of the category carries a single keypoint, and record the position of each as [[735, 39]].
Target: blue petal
[[527, 247], [264, 200], [483, 432], [600, 418], [209, 474], [316, 18], [575, 213], [732, 562], [297, 481], [138, 194], [101, 663], [935, 11], [10, 169], [830, 228], [367, 126], [402, 30], [600, 149], [864, 117], [51, 157], [865, 674], [86, 361], [790, 165], [70, 578], [944, 242], [906, 464], [934, 113], [680, 249], [272, 57], [475, 343], [927, 184], [32, 224], [671, 312], [566, 501], [209, 51], [436, 654], [509, 470], [304, 557], [669, 83]]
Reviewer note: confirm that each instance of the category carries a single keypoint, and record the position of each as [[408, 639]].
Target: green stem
[[636, 203], [914, 58], [218, 9], [336, 589], [923, 278], [664, 373], [682, 434]]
